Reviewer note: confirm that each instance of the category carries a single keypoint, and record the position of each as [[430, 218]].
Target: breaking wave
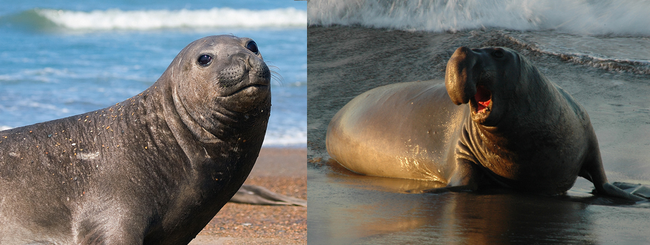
[[116, 19], [596, 17]]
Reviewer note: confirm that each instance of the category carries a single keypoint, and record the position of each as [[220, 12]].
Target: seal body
[[153, 169], [518, 130], [402, 130]]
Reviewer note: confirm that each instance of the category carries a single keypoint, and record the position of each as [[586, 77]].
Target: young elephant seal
[[153, 169], [519, 129]]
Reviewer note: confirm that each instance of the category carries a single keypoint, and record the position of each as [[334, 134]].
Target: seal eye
[[252, 46], [204, 60], [498, 53]]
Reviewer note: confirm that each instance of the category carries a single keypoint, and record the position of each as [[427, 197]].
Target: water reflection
[[346, 208]]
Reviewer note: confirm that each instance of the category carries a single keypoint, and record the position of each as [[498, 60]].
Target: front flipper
[[593, 170], [614, 191], [635, 192], [634, 189], [605, 188], [451, 189], [466, 178]]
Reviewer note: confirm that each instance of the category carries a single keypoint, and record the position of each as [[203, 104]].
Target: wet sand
[[346, 208], [282, 171]]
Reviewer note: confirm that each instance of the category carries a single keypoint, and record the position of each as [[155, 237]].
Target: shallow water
[[346, 208], [349, 209]]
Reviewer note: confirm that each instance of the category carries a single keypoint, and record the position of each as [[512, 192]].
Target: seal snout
[[259, 72], [460, 78], [245, 71], [259, 75], [469, 80]]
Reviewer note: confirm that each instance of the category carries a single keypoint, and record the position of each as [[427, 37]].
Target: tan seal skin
[[519, 130], [153, 169]]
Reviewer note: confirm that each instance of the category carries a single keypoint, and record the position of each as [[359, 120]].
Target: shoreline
[[347, 208], [281, 170]]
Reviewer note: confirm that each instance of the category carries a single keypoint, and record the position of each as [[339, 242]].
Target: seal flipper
[[465, 179], [634, 189], [615, 191], [593, 171], [258, 195], [606, 188]]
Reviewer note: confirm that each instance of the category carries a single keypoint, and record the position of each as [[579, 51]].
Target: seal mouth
[[482, 100], [252, 87]]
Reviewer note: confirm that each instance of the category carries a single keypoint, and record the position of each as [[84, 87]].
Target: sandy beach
[[280, 170]]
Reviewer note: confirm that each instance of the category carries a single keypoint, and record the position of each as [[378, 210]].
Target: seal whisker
[[275, 75]]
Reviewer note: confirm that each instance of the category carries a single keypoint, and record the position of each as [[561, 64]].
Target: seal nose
[[259, 71], [459, 78], [240, 65]]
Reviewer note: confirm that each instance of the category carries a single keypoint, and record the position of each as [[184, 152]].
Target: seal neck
[[529, 116], [528, 103], [531, 142], [194, 127]]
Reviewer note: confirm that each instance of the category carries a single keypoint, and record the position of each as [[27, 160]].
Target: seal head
[[237, 87], [480, 77]]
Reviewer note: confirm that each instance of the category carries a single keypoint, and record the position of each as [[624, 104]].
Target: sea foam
[[298, 139], [626, 17], [157, 19]]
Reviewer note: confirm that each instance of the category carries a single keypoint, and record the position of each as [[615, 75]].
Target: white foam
[[46, 75], [55, 75], [293, 138], [582, 17], [156, 19], [3, 128], [608, 52]]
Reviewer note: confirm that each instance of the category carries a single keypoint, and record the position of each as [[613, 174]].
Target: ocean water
[[61, 58], [609, 34], [596, 50]]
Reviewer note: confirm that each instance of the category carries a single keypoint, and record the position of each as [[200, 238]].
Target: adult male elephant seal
[[153, 169], [520, 130]]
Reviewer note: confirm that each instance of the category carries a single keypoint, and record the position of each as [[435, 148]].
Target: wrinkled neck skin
[[528, 145], [225, 126], [219, 131], [221, 154]]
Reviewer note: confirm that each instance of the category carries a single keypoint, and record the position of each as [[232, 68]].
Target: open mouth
[[483, 99]]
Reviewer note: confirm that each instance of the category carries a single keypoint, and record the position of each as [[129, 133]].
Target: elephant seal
[[520, 130], [153, 169]]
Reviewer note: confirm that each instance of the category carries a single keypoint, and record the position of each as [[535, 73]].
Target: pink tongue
[[482, 98]]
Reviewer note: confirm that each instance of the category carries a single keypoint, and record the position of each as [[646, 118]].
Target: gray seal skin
[[519, 130], [153, 169]]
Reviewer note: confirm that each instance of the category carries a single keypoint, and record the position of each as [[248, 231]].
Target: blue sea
[[60, 58]]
